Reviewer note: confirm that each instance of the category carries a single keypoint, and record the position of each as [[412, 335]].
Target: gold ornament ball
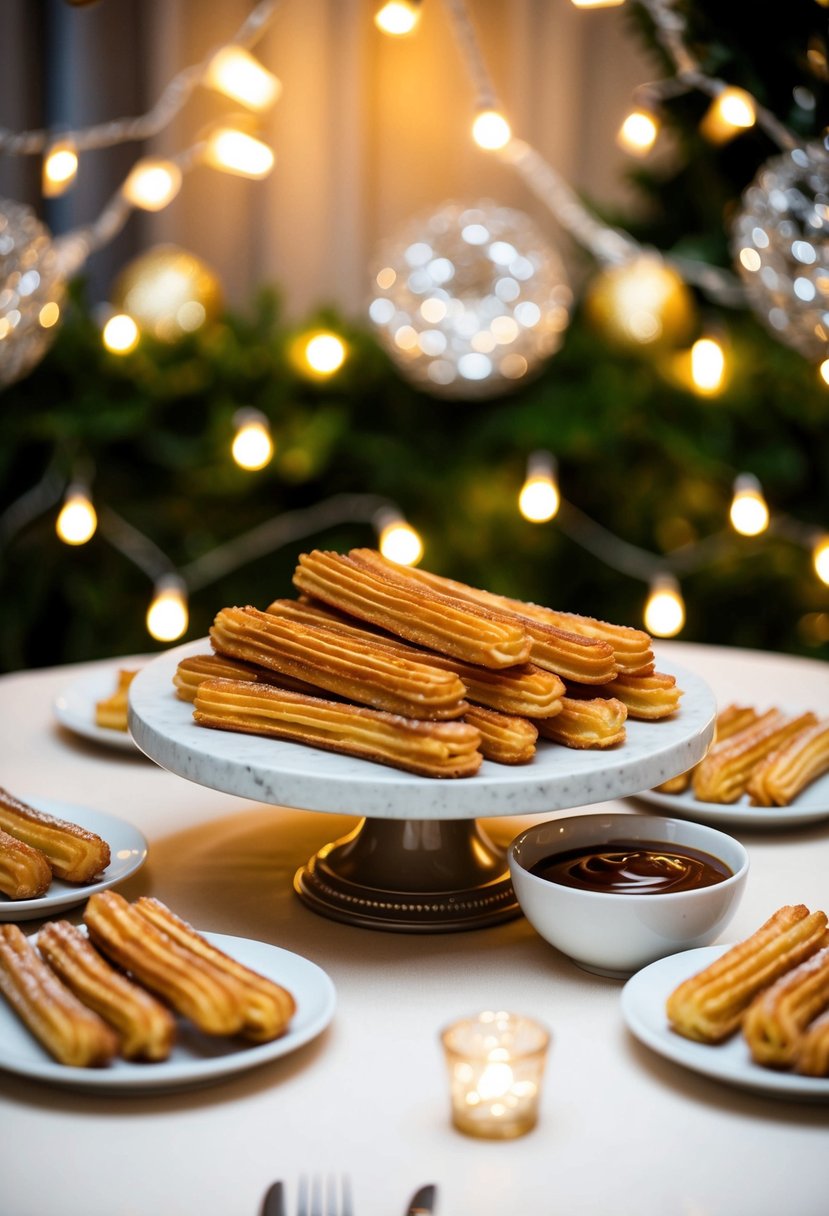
[[641, 304], [168, 292]]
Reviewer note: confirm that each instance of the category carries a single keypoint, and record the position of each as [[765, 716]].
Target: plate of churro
[[136, 1000], [754, 1014], [95, 705], [766, 768]]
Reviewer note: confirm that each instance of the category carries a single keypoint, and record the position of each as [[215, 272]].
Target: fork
[[329, 1196]]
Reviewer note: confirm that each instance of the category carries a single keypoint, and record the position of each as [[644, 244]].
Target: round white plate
[[811, 805], [127, 847], [196, 1059], [643, 1008], [74, 707], [290, 774]]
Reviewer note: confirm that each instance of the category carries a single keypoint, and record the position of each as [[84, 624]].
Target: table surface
[[620, 1130]]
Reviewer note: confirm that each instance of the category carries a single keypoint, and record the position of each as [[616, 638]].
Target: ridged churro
[[775, 1020], [351, 667], [111, 712], [632, 648], [70, 1032], [597, 723], [73, 853], [730, 721], [709, 1007], [268, 1007], [812, 1055], [145, 1028], [725, 772], [782, 775], [190, 673], [24, 872], [506, 739], [431, 749], [417, 613]]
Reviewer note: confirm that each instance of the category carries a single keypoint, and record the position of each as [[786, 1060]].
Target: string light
[[820, 559], [665, 610], [824, 371], [77, 520], [396, 539], [152, 184], [597, 3], [252, 446], [322, 354], [749, 513], [167, 615], [490, 130], [707, 366], [731, 111], [60, 168], [539, 499], [638, 133], [397, 17], [233, 151], [120, 334], [236, 73]]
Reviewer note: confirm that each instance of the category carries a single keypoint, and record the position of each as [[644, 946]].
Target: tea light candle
[[495, 1062]]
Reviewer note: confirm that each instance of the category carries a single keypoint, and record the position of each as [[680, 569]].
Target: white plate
[[811, 805], [196, 1059], [643, 1008], [74, 707], [127, 847]]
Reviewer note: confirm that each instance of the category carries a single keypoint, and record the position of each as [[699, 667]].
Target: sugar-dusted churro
[[812, 1055], [431, 749], [355, 668], [632, 648], [779, 778], [777, 1017], [145, 1028], [24, 872], [709, 1007], [70, 1032], [597, 723], [506, 739], [730, 721], [111, 712], [647, 698], [192, 986], [526, 691], [190, 673], [268, 1006], [73, 853], [417, 613], [725, 772]]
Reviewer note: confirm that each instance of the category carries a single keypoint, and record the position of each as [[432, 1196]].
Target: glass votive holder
[[496, 1062]]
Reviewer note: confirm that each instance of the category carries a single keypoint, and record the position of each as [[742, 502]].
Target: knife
[[422, 1203], [274, 1202]]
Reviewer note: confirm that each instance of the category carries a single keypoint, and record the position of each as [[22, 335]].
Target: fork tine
[[347, 1207], [302, 1196], [316, 1195]]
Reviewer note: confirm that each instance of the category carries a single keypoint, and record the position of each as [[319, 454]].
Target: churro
[[71, 1033], [24, 872], [597, 723], [730, 721], [647, 698], [632, 648], [725, 772], [777, 1017], [111, 712], [190, 673], [73, 853], [786, 772], [506, 739], [812, 1055]]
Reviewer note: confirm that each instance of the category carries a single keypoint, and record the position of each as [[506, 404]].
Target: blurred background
[[413, 324]]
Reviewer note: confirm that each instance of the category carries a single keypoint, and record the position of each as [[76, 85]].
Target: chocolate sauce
[[633, 867]]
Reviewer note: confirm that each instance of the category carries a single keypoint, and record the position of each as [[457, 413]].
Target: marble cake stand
[[419, 862]]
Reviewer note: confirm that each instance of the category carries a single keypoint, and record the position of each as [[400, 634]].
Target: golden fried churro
[[570, 655], [632, 648], [812, 1055], [431, 749], [193, 987], [24, 872], [355, 668], [710, 1006], [145, 1029], [648, 698], [777, 1017], [111, 712], [73, 853], [730, 721], [69, 1031], [598, 723], [414, 612], [525, 691], [726, 771], [268, 1006], [506, 739], [785, 773], [190, 673]]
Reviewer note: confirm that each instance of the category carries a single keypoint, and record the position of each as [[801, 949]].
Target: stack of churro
[[774, 987], [423, 673], [36, 847], [770, 756], [116, 990]]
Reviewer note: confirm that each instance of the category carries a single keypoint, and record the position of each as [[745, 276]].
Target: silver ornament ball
[[31, 290], [780, 243], [470, 300]]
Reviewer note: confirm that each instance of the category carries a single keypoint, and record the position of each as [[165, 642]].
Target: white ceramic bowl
[[616, 934]]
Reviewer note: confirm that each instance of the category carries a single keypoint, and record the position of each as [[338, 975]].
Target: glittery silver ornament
[[31, 290], [470, 300], [780, 243]]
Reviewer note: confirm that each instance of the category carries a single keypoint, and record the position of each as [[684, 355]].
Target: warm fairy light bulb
[[167, 616], [665, 610], [491, 130], [749, 513], [638, 133], [539, 499], [77, 521], [49, 314], [597, 3], [233, 151], [820, 559], [60, 168], [707, 365], [324, 353], [252, 446], [399, 542], [236, 73], [824, 371], [152, 184], [733, 110], [120, 334], [397, 17]]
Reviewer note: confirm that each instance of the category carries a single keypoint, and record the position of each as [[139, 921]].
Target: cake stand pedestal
[[419, 861]]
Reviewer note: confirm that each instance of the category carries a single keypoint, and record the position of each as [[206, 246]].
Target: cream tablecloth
[[621, 1130]]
